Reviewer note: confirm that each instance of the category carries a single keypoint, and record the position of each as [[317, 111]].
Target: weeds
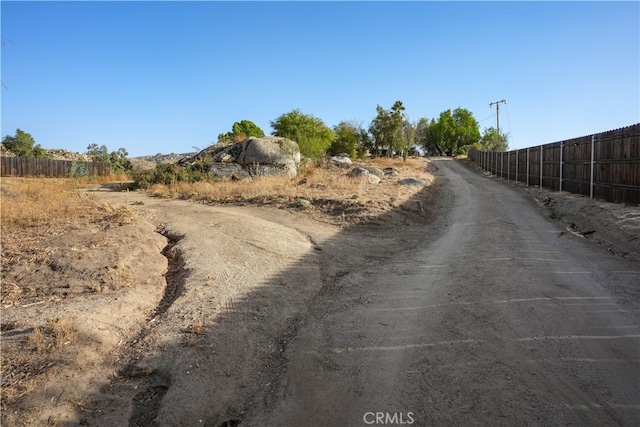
[[57, 333], [196, 333], [37, 202], [29, 203], [313, 183], [37, 339]]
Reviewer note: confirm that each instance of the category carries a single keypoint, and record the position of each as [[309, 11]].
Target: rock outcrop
[[249, 158]]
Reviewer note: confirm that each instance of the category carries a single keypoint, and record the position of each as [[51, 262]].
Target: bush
[[78, 170], [168, 174]]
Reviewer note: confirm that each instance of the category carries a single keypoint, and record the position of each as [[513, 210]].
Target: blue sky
[[167, 76]]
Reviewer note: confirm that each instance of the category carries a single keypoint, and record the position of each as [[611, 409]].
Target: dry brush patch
[[334, 197], [34, 213], [64, 250]]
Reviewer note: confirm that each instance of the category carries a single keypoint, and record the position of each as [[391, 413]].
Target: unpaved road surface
[[492, 315]]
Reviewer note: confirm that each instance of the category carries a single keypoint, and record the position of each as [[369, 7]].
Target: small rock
[[373, 170], [362, 172], [414, 205], [301, 204], [341, 161], [390, 171], [412, 181]]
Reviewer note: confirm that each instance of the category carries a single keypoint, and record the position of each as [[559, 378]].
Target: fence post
[[561, 150], [593, 138], [527, 166], [502, 165], [517, 156], [508, 165], [541, 168]]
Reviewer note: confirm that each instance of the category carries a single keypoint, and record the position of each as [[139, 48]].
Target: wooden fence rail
[[603, 166], [21, 166]]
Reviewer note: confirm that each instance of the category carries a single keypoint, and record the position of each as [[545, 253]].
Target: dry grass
[[44, 349], [37, 202], [37, 339], [196, 333], [30, 203], [320, 185], [55, 335]]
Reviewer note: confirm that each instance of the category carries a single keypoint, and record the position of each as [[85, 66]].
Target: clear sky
[[167, 76]]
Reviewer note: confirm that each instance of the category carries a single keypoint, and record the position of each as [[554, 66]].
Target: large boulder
[[276, 154], [253, 156]]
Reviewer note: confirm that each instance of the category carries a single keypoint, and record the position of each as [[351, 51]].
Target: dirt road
[[491, 315], [466, 305]]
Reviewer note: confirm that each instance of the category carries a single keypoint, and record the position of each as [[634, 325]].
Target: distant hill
[[140, 162], [150, 161]]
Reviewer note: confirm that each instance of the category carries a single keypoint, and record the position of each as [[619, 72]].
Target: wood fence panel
[[606, 165], [20, 166]]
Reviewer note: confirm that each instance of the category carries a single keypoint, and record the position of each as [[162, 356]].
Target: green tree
[[22, 144], [408, 133], [98, 154], [241, 130], [386, 129], [455, 131], [491, 140], [425, 137], [311, 134], [347, 139], [118, 159], [379, 129]]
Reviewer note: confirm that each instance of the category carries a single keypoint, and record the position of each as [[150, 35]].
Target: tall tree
[[408, 134], [118, 159], [98, 154], [311, 134], [347, 139], [454, 131], [379, 129], [425, 137], [386, 129], [241, 130], [493, 141], [22, 144]]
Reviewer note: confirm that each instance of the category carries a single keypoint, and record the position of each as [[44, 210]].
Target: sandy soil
[[264, 315]]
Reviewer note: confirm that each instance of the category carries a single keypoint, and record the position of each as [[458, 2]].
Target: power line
[[491, 116], [509, 121]]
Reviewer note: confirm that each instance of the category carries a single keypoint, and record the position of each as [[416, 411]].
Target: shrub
[[169, 174]]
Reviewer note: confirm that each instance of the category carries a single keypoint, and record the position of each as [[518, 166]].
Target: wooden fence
[[603, 166], [21, 166]]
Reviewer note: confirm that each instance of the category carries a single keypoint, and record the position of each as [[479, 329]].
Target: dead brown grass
[[35, 202], [328, 189], [45, 348]]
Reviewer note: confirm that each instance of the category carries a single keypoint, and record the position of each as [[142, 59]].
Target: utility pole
[[497, 104]]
